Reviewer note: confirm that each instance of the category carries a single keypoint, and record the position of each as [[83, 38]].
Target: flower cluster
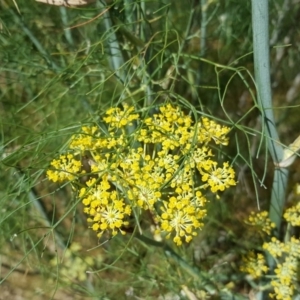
[[292, 215], [261, 222], [285, 280], [162, 163], [65, 168], [286, 255], [255, 265]]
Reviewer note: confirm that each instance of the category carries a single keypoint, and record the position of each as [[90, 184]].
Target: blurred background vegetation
[[61, 67]]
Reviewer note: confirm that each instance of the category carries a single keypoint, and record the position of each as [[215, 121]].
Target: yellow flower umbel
[[255, 265], [286, 255], [162, 163], [261, 222], [106, 210], [66, 168], [292, 215]]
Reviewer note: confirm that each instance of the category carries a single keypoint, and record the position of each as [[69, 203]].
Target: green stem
[[116, 60], [260, 20], [204, 6]]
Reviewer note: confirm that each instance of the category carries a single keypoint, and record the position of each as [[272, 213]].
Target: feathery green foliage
[[62, 68]]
